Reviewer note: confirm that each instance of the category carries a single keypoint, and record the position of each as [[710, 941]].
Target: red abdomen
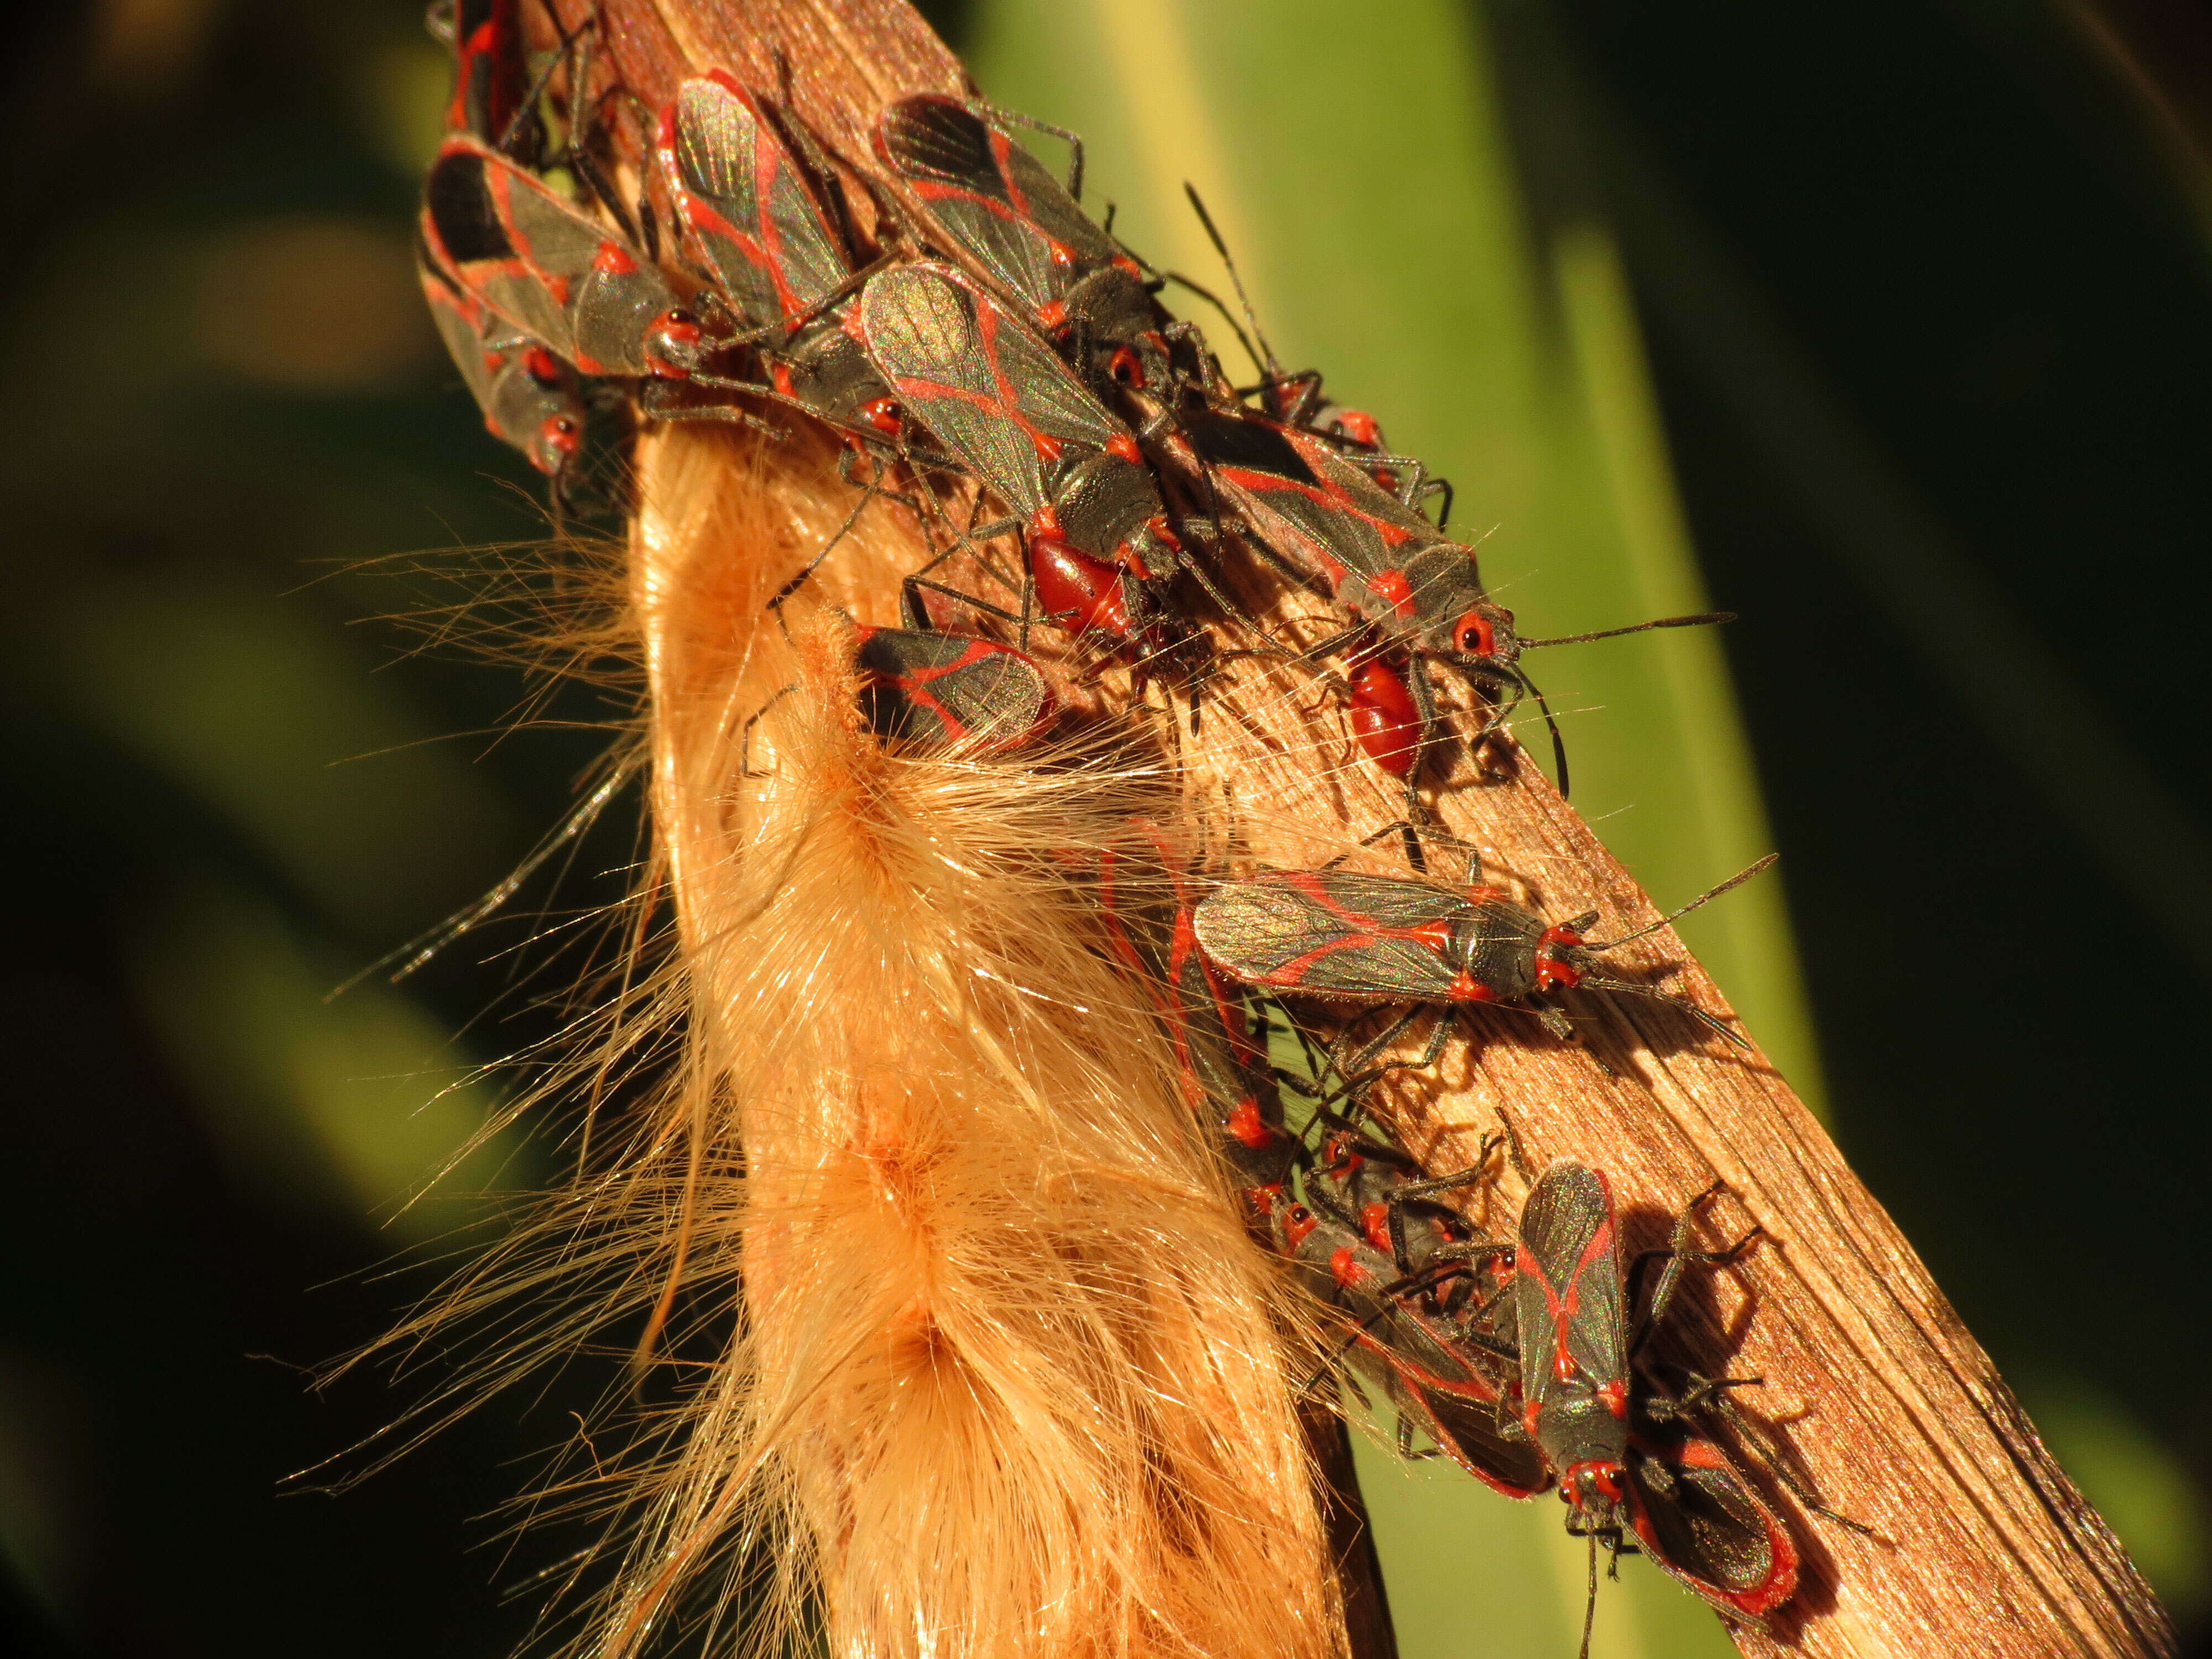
[[1076, 591], [1384, 717]]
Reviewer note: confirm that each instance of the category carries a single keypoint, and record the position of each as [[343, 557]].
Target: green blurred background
[[1890, 329]]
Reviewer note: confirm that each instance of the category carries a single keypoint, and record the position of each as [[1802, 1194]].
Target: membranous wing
[[990, 391], [994, 201], [1568, 1286], [1696, 1516], [1334, 933], [749, 207], [1319, 512]]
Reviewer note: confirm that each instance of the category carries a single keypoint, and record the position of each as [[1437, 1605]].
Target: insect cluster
[[1099, 500]]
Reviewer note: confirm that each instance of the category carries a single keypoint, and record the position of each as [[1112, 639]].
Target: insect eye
[[1126, 367], [1473, 634]]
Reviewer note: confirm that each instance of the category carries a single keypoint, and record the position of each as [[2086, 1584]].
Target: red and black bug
[[1384, 1193], [1297, 400], [1341, 936], [552, 270], [1628, 1458], [994, 206], [492, 96], [923, 688], [939, 689], [761, 228], [489, 74], [1457, 1384], [529, 397], [994, 396], [1398, 579]]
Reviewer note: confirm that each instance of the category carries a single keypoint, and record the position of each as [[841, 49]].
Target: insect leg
[[1703, 1391], [745, 738], [654, 402], [1364, 1064], [1074, 142], [776, 604], [1677, 1257]]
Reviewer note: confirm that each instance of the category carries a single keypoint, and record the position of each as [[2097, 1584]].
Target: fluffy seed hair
[[953, 1344]]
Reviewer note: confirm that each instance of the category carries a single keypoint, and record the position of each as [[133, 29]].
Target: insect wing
[[1146, 894], [990, 391], [488, 77], [1317, 511], [613, 301], [460, 323], [529, 397], [749, 209], [1567, 1290], [1696, 1517], [1451, 1392], [538, 261], [1334, 933], [994, 202], [466, 232], [939, 690]]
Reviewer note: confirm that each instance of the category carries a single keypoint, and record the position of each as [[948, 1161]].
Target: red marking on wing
[[761, 245], [1361, 933], [1566, 1306], [1002, 403], [1326, 493], [1001, 159], [1780, 1581]]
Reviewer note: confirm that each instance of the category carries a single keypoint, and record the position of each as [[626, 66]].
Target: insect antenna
[[1698, 621], [1265, 356], [1590, 1606], [418, 950], [1705, 897], [1604, 984], [1559, 743]]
